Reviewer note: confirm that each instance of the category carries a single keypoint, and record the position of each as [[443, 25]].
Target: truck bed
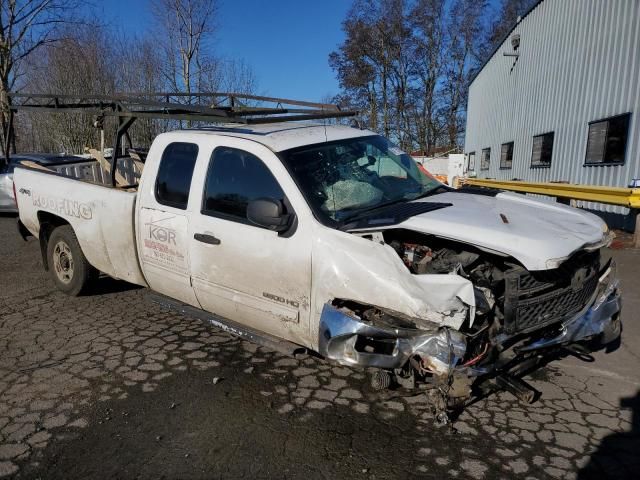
[[90, 170], [102, 216]]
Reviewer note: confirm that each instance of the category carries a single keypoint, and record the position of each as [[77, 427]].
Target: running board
[[229, 326]]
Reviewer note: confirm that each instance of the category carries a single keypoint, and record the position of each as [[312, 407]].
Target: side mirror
[[268, 213]]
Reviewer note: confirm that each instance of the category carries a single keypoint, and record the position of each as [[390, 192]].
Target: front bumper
[[441, 349], [341, 338]]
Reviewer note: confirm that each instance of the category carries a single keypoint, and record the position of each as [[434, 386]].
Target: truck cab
[[197, 244]]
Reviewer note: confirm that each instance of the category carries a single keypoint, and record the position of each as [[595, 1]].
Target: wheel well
[[48, 223]]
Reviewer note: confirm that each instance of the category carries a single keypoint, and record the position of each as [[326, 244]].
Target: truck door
[[163, 221], [239, 270]]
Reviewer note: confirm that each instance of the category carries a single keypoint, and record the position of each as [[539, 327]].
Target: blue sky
[[286, 42]]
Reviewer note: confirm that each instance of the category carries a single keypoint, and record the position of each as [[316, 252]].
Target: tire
[[69, 268]]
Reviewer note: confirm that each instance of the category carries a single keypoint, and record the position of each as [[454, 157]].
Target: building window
[[472, 161], [607, 141], [506, 155], [485, 160], [173, 180], [542, 150], [234, 179]]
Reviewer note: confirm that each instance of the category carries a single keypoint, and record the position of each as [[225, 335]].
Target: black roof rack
[[206, 106], [217, 107]]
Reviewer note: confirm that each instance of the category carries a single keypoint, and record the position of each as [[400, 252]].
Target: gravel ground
[[111, 385]]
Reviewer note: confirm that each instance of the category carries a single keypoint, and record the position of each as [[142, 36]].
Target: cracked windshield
[[345, 179]]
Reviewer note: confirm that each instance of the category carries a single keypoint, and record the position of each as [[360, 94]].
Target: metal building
[[559, 99]]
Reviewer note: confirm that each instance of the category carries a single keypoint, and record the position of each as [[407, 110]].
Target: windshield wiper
[[391, 215], [431, 191], [366, 211]]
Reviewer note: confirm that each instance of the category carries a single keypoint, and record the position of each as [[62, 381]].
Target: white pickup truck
[[332, 239]]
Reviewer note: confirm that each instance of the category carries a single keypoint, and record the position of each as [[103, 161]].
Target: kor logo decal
[[162, 234]]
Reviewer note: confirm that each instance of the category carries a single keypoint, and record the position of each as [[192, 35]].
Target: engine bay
[[510, 299]]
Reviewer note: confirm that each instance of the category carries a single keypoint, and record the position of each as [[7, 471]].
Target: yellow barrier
[[627, 197]]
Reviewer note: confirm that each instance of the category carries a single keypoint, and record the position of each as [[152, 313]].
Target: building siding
[[579, 62]]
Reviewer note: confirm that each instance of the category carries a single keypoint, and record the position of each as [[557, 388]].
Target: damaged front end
[[520, 319]]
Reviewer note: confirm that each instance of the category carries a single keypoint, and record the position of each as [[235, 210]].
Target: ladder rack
[[208, 106], [215, 107]]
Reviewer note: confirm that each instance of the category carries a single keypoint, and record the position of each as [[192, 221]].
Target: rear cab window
[[235, 178], [175, 172]]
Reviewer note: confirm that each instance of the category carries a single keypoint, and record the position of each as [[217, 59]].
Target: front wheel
[[70, 270]]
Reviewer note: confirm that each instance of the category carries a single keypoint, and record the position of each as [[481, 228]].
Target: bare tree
[[189, 62], [90, 61], [82, 63], [376, 62], [411, 60], [236, 76], [466, 15], [187, 26], [98, 60], [138, 68], [363, 62], [356, 70], [25, 27], [502, 21], [428, 19]]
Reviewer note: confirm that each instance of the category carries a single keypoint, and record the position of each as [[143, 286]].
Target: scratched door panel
[[253, 276], [235, 304]]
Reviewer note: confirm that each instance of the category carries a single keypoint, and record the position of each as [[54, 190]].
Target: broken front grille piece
[[535, 300]]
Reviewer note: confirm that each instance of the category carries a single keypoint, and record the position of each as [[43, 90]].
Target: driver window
[[235, 178]]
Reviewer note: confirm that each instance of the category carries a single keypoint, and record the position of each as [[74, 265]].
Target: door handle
[[206, 238]]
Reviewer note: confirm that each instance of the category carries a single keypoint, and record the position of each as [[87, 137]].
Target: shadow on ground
[[618, 456], [106, 285]]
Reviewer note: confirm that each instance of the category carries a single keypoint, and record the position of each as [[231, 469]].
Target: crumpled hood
[[539, 234]]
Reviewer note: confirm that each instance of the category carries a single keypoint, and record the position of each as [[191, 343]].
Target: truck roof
[[286, 135]]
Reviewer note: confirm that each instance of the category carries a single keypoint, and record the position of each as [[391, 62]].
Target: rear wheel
[[70, 270]]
